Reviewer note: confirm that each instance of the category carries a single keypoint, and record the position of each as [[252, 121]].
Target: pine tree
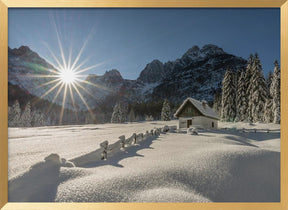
[[37, 118], [123, 111], [119, 114], [131, 115], [275, 93], [116, 114], [26, 116], [258, 92], [217, 103], [269, 80], [166, 111], [228, 112], [241, 99], [14, 115], [248, 75], [268, 112]]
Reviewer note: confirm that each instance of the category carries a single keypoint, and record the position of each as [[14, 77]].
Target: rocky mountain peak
[[112, 76], [20, 51], [192, 52], [211, 49], [153, 72], [27, 55]]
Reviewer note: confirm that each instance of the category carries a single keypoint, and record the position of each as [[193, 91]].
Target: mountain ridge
[[197, 73]]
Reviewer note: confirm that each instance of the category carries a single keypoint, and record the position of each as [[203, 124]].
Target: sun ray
[[60, 45], [63, 105], [95, 85], [47, 92], [68, 77], [73, 102], [79, 55], [83, 100], [48, 83], [38, 76], [82, 49], [70, 57], [55, 97], [81, 64], [89, 68], [84, 89], [51, 89], [59, 66]]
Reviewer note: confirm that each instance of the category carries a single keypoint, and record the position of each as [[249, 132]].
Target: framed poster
[[109, 105]]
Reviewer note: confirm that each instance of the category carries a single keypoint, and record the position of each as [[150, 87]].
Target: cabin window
[[212, 124], [189, 109]]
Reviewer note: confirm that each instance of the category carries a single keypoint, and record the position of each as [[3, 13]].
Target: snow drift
[[214, 166]]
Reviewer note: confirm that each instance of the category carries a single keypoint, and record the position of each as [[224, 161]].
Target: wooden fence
[[107, 150]]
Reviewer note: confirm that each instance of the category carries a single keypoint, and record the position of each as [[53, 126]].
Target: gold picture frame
[[5, 4]]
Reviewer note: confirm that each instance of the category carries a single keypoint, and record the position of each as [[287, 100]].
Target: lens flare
[[67, 76]]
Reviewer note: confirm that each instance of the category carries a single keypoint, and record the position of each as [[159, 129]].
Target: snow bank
[[233, 174], [224, 165], [39, 183], [28, 146]]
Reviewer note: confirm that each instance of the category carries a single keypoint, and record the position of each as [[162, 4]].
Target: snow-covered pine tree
[[236, 75], [275, 93], [119, 114], [38, 118], [131, 115], [268, 112], [217, 103], [166, 111], [269, 81], [241, 99], [228, 111], [258, 92], [26, 116], [116, 113], [123, 111], [149, 118], [248, 75], [14, 115]]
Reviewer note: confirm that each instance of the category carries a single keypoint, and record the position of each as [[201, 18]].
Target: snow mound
[[225, 165], [167, 195], [39, 183], [226, 173]]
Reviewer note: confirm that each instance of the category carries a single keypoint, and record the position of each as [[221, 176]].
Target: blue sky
[[128, 39]]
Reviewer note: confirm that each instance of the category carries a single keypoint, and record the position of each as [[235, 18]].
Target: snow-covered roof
[[206, 111]]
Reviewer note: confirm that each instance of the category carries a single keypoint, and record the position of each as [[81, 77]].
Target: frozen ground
[[228, 164]]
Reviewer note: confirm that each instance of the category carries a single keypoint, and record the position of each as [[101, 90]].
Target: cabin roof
[[207, 111]]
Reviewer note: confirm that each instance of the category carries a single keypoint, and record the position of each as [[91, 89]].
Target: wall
[[200, 122]]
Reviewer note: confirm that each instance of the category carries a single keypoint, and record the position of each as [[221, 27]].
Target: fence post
[[147, 134], [134, 138], [122, 139], [104, 146]]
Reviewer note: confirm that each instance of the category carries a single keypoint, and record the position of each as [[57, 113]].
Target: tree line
[[247, 96], [27, 117], [143, 111]]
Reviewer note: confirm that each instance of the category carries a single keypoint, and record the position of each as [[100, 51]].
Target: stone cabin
[[198, 114]]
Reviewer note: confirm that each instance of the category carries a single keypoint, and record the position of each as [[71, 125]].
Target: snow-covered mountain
[[196, 74]]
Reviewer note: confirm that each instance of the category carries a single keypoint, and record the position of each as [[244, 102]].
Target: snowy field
[[224, 165]]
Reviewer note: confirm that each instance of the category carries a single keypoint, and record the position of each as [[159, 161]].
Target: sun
[[67, 76]]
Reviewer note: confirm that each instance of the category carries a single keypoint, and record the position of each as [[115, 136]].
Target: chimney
[[204, 104]]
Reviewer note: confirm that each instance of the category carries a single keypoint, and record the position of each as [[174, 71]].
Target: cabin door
[[189, 122]]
